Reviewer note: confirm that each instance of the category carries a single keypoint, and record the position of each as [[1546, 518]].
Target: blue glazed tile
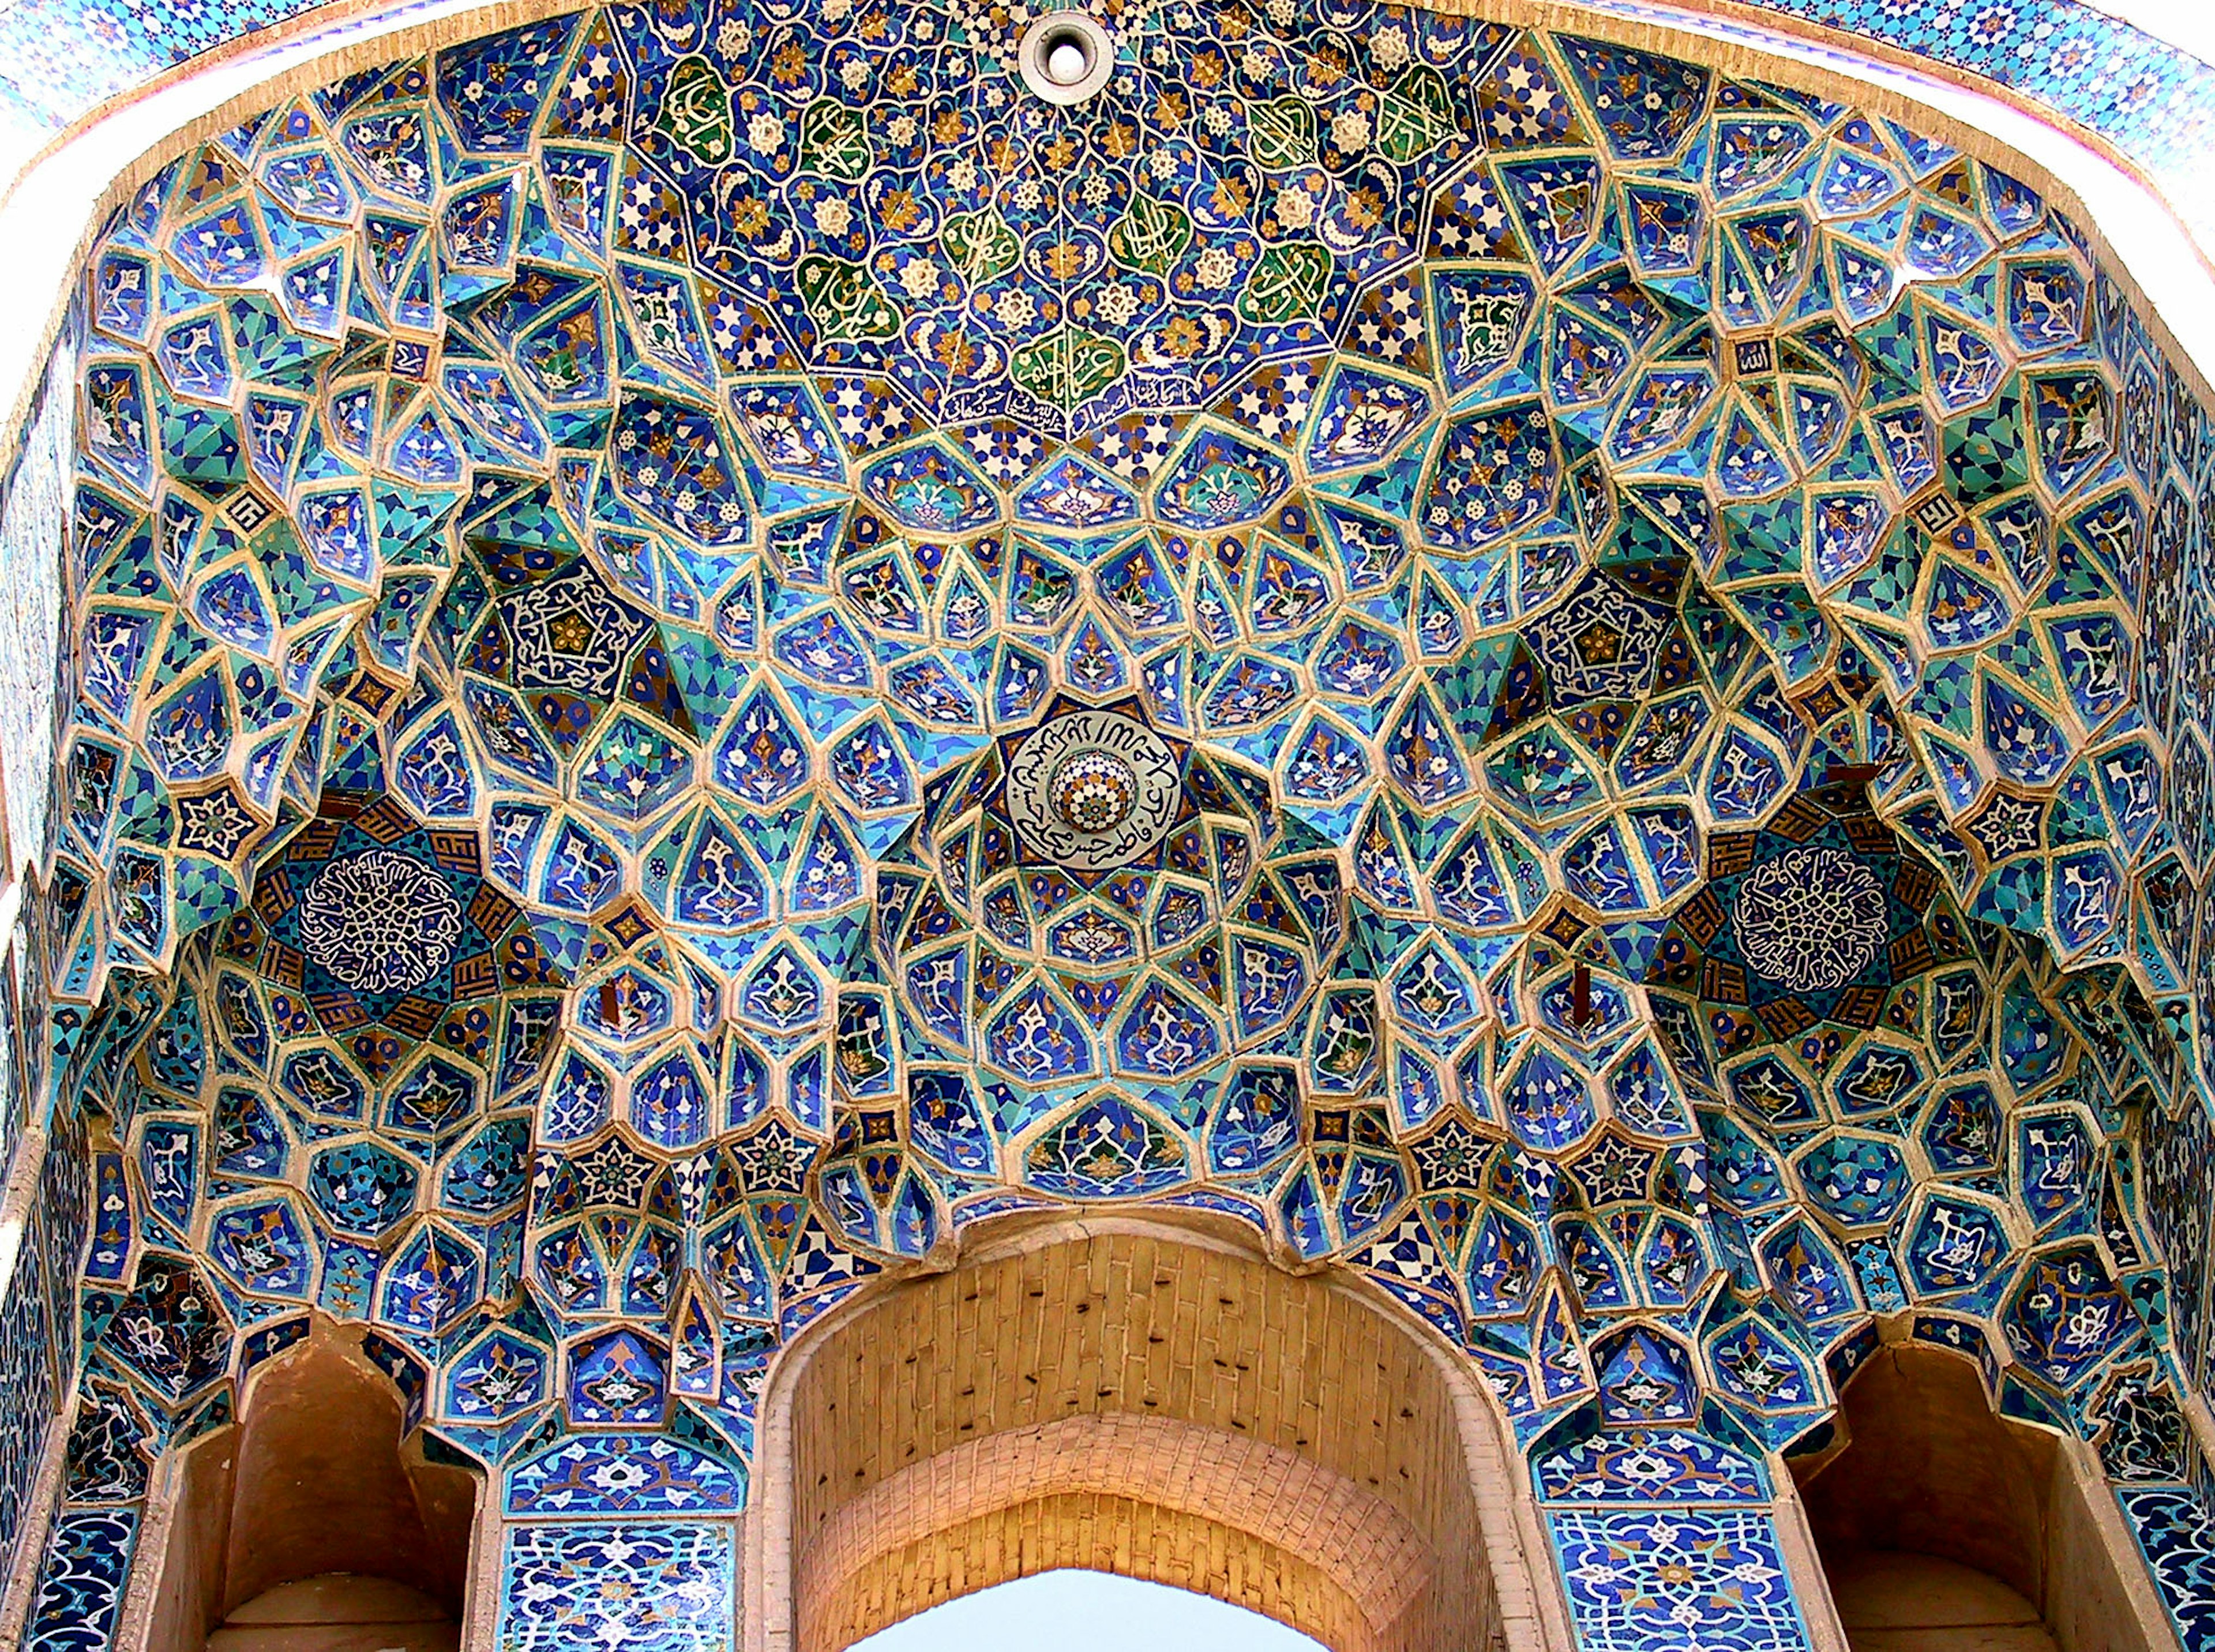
[[2173, 1532], [1644, 1579], [82, 1579], [661, 1587]]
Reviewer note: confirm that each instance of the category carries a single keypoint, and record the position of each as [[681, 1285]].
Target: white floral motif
[[919, 279], [1811, 920], [380, 922]]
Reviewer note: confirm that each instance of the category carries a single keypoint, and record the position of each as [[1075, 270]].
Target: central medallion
[[1093, 790], [1812, 919], [380, 922]]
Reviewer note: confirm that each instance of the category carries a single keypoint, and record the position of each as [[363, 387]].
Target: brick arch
[[1149, 1399]]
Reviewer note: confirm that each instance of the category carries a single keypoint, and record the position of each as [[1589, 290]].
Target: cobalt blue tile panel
[[664, 1586], [38, 1310], [2178, 1540], [1661, 1579], [627, 1475], [1650, 1465], [35, 502], [80, 1592], [37, 1330]]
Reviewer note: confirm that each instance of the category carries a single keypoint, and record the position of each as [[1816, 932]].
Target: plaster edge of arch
[[81, 174], [1518, 1552]]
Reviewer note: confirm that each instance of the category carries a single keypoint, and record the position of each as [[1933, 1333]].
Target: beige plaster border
[[1811, 1584], [2092, 1532]]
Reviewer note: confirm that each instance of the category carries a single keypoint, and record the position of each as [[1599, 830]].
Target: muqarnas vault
[[716, 649]]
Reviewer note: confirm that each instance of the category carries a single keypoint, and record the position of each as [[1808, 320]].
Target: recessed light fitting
[[1066, 57]]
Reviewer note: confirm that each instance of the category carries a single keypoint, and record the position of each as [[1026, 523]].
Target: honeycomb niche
[[747, 671]]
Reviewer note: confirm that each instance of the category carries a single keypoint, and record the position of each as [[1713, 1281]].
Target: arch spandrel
[[712, 649]]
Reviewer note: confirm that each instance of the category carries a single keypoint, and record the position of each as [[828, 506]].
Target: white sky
[[2186, 23], [1085, 1612]]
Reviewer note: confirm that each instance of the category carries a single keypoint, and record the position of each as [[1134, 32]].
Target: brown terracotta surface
[[339, 1612], [307, 1527], [1092, 1491], [1095, 1534], [2102, 1599], [2027, 1638], [1890, 1602], [1172, 1412], [1888, 1590], [321, 1487], [188, 1592], [340, 1598], [444, 1636], [1929, 1469], [1946, 1528]]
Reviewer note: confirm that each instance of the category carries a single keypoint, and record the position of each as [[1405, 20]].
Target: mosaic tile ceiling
[[713, 643], [61, 61]]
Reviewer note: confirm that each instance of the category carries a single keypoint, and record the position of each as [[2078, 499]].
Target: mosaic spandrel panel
[[710, 649], [663, 1587], [1649, 1578]]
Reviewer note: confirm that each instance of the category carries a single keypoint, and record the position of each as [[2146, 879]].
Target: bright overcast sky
[[1086, 1611], [2188, 23]]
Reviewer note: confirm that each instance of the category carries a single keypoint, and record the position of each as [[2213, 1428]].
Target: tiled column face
[[87, 1564], [2172, 1527], [627, 1539], [1664, 1538], [1642, 1577], [661, 1586]]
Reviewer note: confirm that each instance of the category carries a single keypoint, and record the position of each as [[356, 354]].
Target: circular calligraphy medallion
[[1811, 920], [1093, 790], [380, 922]]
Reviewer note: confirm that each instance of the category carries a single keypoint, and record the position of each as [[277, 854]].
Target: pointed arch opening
[[1942, 1525], [1152, 1400], [1082, 1611]]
